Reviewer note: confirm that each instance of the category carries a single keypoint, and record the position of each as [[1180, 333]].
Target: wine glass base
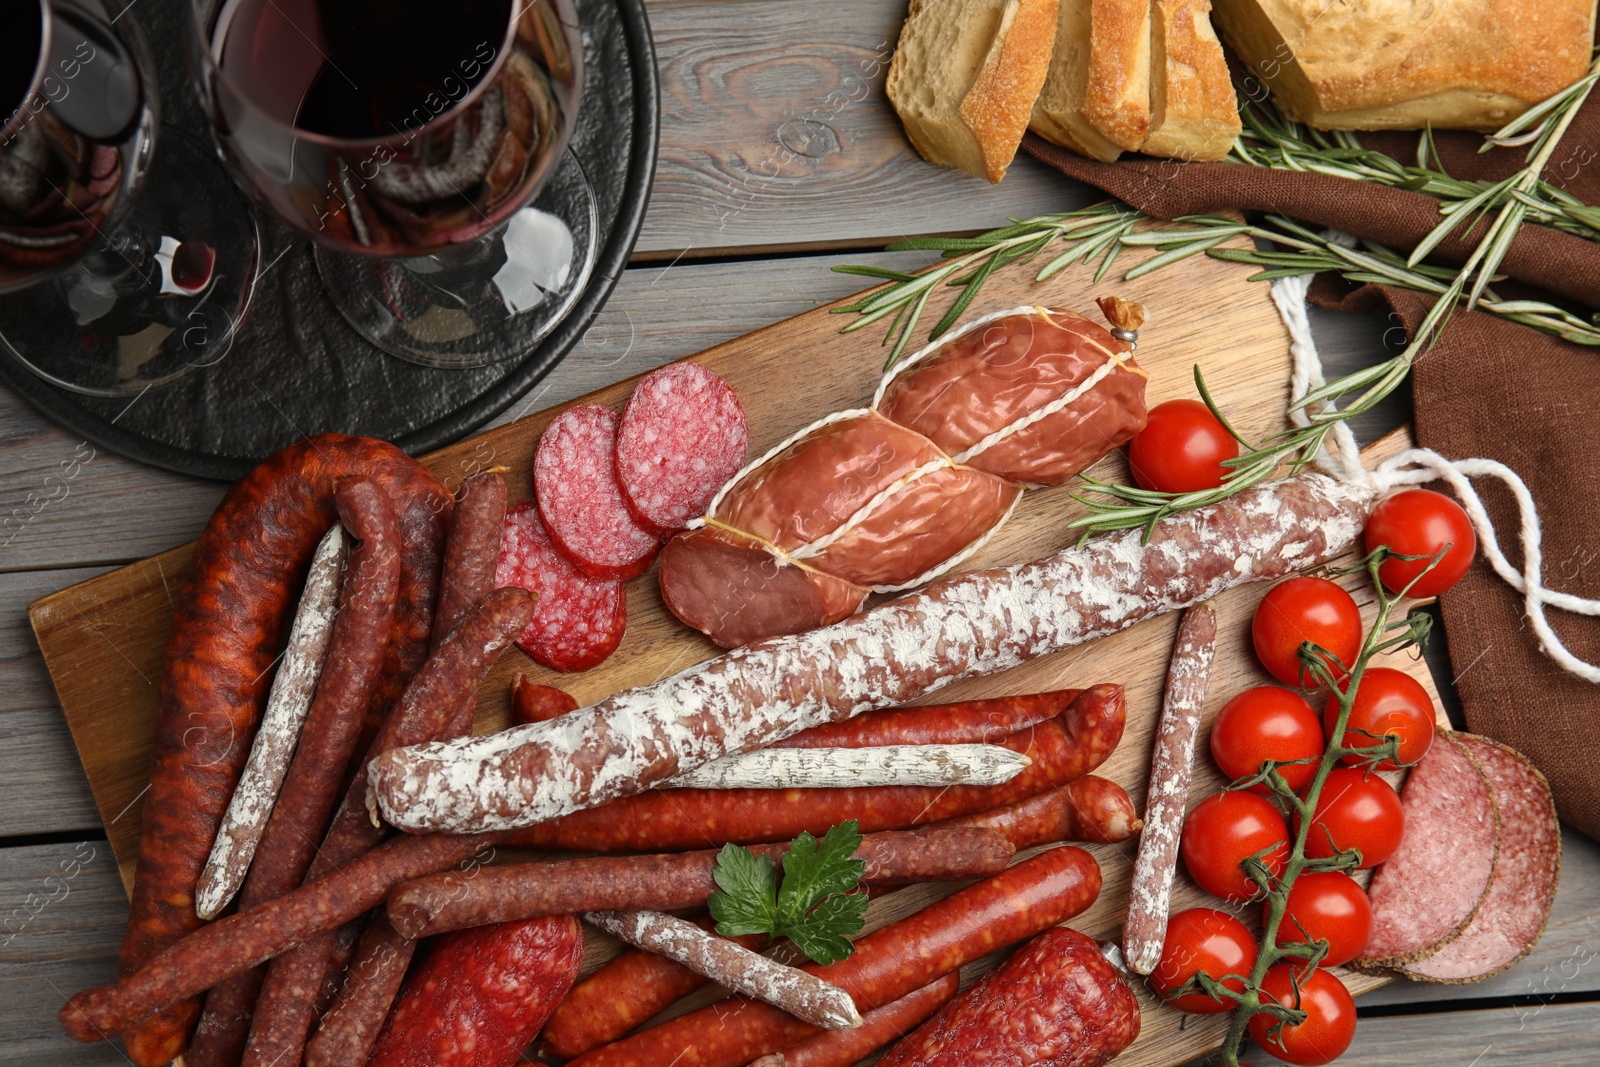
[[159, 297], [485, 302]]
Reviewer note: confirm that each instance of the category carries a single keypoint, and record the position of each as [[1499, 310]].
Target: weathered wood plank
[[775, 132], [62, 911], [42, 785], [1554, 1036]]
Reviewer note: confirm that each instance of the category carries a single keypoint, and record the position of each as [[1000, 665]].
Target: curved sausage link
[[452, 674], [347, 1032], [240, 588], [322, 757]]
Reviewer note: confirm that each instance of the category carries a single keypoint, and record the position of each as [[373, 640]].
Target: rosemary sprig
[[1513, 198], [1384, 636], [1271, 140], [1301, 250], [1088, 232]]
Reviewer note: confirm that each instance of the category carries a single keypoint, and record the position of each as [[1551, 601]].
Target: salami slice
[[577, 620], [1433, 885], [575, 480], [1512, 916], [682, 436]]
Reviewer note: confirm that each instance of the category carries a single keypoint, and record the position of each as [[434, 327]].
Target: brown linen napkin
[[1488, 388]]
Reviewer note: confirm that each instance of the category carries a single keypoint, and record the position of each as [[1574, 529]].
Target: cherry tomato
[[1203, 939], [1300, 610], [1388, 703], [1267, 722], [1329, 1026], [1357, 810], [1419, 522], [1224, 829], [1181, 448], [1330, 907]]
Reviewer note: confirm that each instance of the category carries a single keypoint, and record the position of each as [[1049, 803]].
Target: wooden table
[[779, 158]]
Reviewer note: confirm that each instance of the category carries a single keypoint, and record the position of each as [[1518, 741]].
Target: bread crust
[[1403, 64], [1193, 112], [1117, 98], [997, 107], [965, 76]]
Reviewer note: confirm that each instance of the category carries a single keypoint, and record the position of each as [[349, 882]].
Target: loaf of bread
[[1405, 64], [1193, 111], [1096, 97], [965, 76]]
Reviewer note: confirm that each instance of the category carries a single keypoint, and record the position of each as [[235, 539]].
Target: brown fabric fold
[[1487, 388], [1565, 265]]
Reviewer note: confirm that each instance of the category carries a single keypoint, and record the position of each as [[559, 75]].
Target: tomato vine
[[1383, 637]]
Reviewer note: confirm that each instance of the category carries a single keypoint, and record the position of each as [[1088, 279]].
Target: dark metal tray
[[296, 367]]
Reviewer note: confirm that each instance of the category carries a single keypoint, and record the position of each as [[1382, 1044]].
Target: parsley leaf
[[825, 934], [813, 870], [748, 883], [817, 906]]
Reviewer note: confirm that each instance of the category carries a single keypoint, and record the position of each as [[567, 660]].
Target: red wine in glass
[[414, 131], [73, 146], [99, 238]]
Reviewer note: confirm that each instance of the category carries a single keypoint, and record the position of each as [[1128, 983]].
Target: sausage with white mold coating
[[1061, 749], [974, 624]]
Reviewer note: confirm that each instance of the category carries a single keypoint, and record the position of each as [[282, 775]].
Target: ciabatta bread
[[1456, 64], [1193, 111], [965, 76], [1096, 97]]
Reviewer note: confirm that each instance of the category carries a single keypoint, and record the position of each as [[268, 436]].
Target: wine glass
[[120, 267], [407, 138]]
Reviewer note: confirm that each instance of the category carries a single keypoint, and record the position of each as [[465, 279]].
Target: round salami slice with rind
[[1429, 890], [682, 436], [575, 482], [1513, 915], [577, 620]]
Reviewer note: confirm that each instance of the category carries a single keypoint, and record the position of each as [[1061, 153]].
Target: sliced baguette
[[1193, 111], [1096, 98], [965, 76]]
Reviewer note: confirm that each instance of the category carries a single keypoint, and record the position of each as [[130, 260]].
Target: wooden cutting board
[[103, 639]]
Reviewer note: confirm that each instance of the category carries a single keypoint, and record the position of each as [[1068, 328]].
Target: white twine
[[1420, 465], [1289, 294]]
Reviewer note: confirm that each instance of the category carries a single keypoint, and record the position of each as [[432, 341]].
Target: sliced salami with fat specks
[[682, 436], [577, 620], [1429, 890], [575, 481], [1512, 916]]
